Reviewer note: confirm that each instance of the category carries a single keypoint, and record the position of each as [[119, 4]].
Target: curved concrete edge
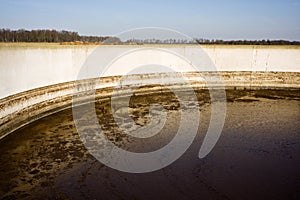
[[24, 108]]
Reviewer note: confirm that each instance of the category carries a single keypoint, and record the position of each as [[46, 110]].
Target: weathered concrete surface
[[25, 68], [26, 107], [36, 81]]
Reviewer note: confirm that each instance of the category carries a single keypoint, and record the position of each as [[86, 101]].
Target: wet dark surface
[[256, 157]]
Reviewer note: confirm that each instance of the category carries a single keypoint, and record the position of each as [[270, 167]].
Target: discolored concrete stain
[[23, 108], [257, 156]]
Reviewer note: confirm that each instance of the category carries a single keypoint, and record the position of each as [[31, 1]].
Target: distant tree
[[22, 35]]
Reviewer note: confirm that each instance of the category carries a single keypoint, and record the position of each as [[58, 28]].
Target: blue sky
[[213, 19]]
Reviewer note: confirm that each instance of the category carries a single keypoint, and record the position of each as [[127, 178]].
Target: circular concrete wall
[[36, 81]]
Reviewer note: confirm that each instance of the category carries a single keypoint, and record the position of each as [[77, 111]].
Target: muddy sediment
[[256, 157]]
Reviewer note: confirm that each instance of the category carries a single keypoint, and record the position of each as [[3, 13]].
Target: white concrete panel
[[24, 68]]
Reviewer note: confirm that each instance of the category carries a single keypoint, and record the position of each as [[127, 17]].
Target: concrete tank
[[38, 79]]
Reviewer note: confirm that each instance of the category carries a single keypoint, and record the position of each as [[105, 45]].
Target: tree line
[[22, 35], [45, 35], [207, 41], [248, 42]]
